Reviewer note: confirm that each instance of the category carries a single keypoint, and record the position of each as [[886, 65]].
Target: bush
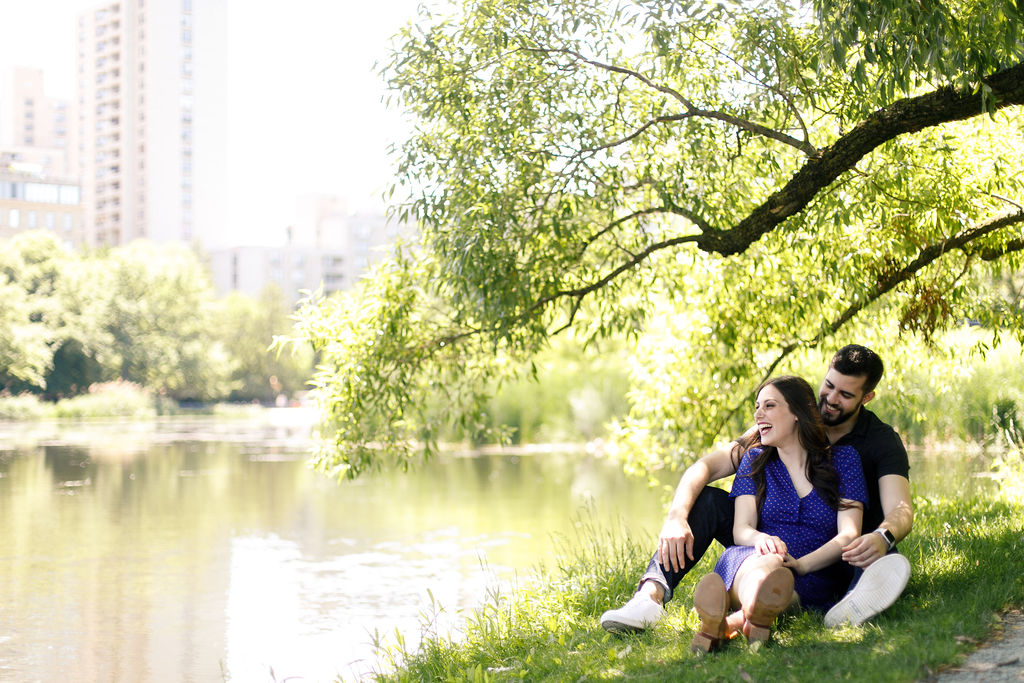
[[969, 397], [109, 399], [23, 407], [575, 394]]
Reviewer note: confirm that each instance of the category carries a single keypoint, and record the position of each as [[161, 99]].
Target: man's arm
[[676, 537], [894, 492]]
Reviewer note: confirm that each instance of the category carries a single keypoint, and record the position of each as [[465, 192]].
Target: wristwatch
[[890, 540]]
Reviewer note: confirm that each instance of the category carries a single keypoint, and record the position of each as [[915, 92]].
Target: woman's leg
[[711, 601], [761, 590]]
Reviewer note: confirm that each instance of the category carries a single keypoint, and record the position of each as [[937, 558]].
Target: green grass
[[966, 554]]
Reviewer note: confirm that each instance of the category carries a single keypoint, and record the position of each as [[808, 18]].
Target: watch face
[[889, 537]]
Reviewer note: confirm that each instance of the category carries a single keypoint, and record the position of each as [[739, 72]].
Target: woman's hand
[[793, 563], [769, 545]]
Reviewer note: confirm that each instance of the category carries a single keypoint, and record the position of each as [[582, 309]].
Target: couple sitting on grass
[[807, 475]]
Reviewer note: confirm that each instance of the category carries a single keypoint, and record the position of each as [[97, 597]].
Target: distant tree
[[159, 319], [141, 313], [738, 187], [247, 328], [30, 268]]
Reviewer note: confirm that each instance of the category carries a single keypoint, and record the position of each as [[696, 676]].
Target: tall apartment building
[[149, 141], [37, 187], [34, 127]]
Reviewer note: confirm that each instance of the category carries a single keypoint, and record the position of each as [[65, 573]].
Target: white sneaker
[[639, 613], [881, 583]]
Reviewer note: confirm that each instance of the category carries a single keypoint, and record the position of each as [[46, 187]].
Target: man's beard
[[838, 418]]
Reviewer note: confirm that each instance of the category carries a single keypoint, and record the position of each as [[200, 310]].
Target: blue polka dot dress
[[805, 524]]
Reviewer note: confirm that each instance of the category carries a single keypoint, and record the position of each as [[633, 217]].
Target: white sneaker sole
[[618, 627], [879, 586]]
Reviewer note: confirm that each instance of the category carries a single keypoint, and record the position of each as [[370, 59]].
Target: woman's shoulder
[[750, 454], [845, 455], [845, 452], [747, 460]]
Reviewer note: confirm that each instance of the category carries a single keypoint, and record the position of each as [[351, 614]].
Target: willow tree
[[728, 184]]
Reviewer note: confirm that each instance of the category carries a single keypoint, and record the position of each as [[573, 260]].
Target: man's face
[[841, 396]]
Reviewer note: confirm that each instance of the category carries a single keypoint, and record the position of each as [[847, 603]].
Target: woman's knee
[[753, 570]]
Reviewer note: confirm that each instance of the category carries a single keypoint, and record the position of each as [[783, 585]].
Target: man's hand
[[865, 549], [675, 540]]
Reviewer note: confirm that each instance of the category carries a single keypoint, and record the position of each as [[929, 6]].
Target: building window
[[42, 193], [69, 194], [68, 222], [49, 220], [31, 220], [14, 218]]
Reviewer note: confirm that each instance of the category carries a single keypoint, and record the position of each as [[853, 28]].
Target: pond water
[[208, 551], [203, 550]]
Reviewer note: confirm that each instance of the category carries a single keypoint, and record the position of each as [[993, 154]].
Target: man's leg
[[710, 520], [872, 591]]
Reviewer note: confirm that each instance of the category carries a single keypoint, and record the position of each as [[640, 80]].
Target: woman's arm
[[744, 529], [848, 525]]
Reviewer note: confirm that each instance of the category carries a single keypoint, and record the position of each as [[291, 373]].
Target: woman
[[798, 502]]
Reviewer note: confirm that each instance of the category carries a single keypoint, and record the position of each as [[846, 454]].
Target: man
[[699, 513]]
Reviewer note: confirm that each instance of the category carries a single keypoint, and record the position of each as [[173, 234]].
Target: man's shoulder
[[873, 438], [871, 424]]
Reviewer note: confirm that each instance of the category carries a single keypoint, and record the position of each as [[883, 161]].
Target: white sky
[[305, 110]]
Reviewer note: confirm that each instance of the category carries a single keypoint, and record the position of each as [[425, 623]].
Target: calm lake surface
[[204, 550]]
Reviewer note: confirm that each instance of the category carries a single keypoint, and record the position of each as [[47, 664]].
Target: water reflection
[[951, 472], [204, 551]]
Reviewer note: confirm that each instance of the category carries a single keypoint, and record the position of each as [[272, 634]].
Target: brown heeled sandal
[[711, 600], [773, 596]]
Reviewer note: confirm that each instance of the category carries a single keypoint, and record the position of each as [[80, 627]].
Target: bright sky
[[305, 110]]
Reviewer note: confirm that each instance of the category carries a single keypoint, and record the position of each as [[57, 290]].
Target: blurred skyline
[[305, 110]]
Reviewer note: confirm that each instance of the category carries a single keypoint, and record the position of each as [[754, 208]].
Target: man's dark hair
[[859, 361]]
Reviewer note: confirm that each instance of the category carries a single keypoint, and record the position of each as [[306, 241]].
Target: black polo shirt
[[881, 453]]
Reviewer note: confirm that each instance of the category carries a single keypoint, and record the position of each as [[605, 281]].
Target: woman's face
[[775, 421]]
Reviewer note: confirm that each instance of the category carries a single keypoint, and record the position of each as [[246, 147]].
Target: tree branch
[[622, 268], [672, 209], [692, 110], [908, 115]]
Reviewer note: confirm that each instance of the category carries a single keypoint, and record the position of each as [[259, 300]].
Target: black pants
[[710, 519]]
